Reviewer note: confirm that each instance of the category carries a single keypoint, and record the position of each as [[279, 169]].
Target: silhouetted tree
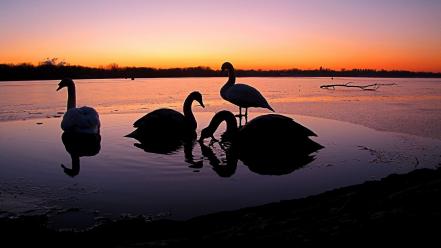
[[52, 68]]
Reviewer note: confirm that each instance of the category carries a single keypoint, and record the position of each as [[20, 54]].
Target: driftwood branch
[[350, 85]]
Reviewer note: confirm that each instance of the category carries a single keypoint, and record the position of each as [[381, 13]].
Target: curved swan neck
[[231, 77], [231, 81], [71, 97], [188, 113], [228, 117]]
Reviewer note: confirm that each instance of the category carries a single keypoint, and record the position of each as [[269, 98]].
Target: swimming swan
[[264, 133], [167, 123], [78, 120], [269, 144]]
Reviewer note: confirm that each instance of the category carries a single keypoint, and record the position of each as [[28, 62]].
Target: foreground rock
[[400, 209]]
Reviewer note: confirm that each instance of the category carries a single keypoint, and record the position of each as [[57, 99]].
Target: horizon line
[[116, 65]]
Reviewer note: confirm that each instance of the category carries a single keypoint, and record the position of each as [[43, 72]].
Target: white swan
[[78, 120], [241, 95]]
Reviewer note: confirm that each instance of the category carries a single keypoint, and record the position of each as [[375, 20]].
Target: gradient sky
[[256, 34]]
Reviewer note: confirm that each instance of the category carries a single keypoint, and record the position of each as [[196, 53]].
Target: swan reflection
[[223, 167], [79, 145]]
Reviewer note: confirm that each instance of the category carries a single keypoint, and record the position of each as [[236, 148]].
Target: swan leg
[[240, 116], [240, 113], [246, 115]]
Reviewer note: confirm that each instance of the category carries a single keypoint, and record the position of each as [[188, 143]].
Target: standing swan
[[168, 124], [241, 95], [78, 120]]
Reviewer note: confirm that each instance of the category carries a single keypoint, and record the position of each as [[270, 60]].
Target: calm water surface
[[124, 179]]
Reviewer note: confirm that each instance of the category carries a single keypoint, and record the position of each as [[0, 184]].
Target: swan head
[[206, 133], [197, 96], [65, 83], [217, 119], [227, 66]]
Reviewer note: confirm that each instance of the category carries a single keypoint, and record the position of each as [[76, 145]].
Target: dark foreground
[[400, 209]]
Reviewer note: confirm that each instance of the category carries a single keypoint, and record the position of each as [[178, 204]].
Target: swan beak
[[202, 104], [59, 87]]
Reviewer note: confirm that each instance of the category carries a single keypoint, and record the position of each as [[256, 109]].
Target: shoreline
[[397, 209]]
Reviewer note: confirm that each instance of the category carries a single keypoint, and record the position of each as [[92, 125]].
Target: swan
[[270, 144], [78, 120], [168, 124], [271, 132], [241, 95]]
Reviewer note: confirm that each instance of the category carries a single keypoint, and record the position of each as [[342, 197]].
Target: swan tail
[[269, 107], [312, 146], [133, 134]]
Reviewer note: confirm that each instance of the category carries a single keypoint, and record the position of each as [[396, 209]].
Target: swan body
[[81, 120], [167, 123], [241, 95], [78, 120]]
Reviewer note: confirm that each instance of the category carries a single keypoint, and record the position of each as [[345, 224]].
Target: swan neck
[[228, 118], [188, 113], [231, 81], [71, 97], [231, 123], [231, 77], [75, 164]]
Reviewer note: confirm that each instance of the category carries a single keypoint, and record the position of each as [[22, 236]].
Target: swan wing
[[275, 123], [81, 120], [246, 96]]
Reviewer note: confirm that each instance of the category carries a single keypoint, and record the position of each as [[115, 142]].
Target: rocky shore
[[399, 209]]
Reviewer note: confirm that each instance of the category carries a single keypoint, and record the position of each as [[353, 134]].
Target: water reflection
[[170, 145], [79, 145], [161, 145], [273, 159], [223, 167]]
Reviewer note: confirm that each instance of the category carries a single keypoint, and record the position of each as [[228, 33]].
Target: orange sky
[[251, 34]]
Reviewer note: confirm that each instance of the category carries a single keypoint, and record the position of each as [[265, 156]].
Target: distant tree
[[52, 62]]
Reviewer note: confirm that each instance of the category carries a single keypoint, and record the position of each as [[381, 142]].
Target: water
[[123, 179]]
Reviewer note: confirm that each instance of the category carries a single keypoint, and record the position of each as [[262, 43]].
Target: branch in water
[[350, 85]]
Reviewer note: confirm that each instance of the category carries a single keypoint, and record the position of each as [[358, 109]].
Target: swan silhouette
[[241, 95], [164, 129], [79, 145], [270, 144], [78, 120]]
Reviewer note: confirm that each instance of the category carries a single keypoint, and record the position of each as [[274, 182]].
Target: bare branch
[[371, 87]]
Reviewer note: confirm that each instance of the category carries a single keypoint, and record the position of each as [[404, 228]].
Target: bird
[[241, 95], [267, 139], [167, 124], [78, 120]]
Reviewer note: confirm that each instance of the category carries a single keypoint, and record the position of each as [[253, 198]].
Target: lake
[[367, 135]]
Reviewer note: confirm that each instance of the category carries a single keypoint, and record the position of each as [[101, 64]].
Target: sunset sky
[[275, 34]]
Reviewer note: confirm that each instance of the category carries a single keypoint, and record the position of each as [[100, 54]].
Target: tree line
[[50, 70]]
